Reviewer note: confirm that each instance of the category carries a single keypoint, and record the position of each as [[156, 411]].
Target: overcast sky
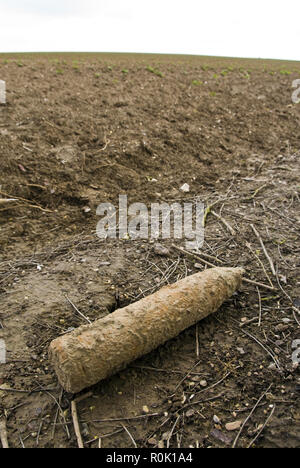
[[239, 28]]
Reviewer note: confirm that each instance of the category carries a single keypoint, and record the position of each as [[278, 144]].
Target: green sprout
[[155, 71]]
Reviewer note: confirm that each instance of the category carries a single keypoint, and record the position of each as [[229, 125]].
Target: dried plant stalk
[[6, 201]]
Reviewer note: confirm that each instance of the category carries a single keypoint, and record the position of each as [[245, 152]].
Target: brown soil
[[80, 130]]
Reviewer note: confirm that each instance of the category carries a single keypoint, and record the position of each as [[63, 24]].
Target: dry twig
[[264, 249], [263, 427], [172, 431], [6, 201], [3, 433], [260, 262], [249, 417], [226, 224], [77, 310], [76, 424], [131, 438], [192, 255]]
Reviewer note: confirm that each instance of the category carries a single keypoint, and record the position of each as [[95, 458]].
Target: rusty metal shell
[[93, 352]]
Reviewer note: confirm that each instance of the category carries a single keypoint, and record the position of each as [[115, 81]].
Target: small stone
[[185, 188], [286, 320], [85, 430], [279, 342], [225, 439], [203, 383], [145, 409], [196, 378], [233, 426], [161, 250], [296, 302], [152, 441], [216, 420], [281, 327]]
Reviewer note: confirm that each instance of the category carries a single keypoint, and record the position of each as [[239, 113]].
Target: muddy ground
[[79, 130]]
